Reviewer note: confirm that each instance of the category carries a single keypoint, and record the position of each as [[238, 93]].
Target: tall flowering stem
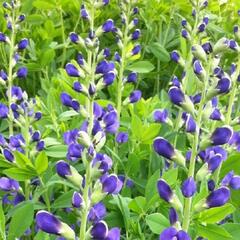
[[200, 116], [90, 101], [125, 38], [91, 73]]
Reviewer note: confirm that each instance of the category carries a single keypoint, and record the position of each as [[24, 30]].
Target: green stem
[[63, 37], [10, 73], [122, 66], [191, 170], [90, 101]]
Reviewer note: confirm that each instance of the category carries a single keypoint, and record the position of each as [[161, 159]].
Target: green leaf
[[136, 126], [41, 163], [64, 201], [43, 5], [35, 19], [233, 229], [233, 162], [138, 204], [213, 232], [150, 132], [22, 160], [19, 174], [58, 151], [157, 222], [159, 52], [141, 67], [4, 163], [171, 176], [2, 223], [47, 57], [151, 187], [21, 220], [214, 215], [67, 115]]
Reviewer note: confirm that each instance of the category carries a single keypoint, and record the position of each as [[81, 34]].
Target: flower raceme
[[207, 125]]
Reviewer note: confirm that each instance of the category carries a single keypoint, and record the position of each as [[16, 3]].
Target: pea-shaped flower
[[3, 111], [8, 185], [99, 230], [160, 115]]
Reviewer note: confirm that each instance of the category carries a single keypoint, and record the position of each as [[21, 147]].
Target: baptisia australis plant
[[208, 123], [14, 48], [129, 50], [92, 71]]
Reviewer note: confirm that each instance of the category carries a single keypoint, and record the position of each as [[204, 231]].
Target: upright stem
[[123, 63], [10, 73], [191, 170], [90, 101]]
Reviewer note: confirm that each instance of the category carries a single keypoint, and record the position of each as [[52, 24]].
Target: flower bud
[[111, 184], [22, 72], [175, 56], [73, 71], [227, 179], [136, 35], [189, 187], [3, 37], [8, 155], [50, 224], [132, 77], [3, 111], [199, 53], [76, 39], [77, 200], [221, 45], [68, 172], [218, 197], [122, 137], [135, 96], [235, 182], [108, 26], [136, 50], [185, 34], [199, 70], [207, 47], [23, 44], [178, 98], [211, 185], [173, 216], [84, 139], [165, 149], [233, 45], [236, 31], [84, 13], [220, 136]]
